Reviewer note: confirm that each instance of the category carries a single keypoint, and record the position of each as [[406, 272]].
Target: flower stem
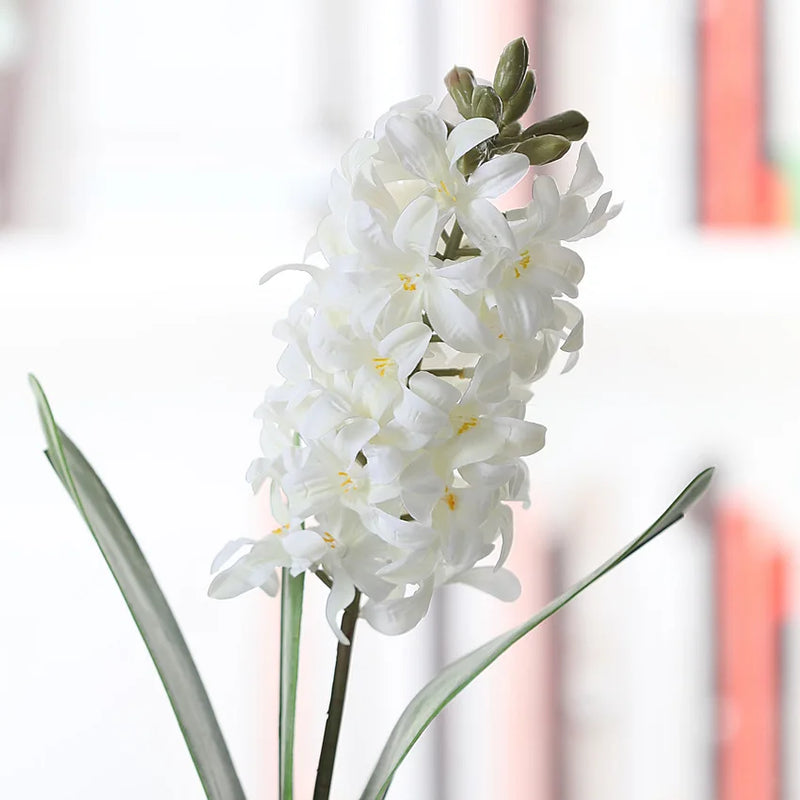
[[330, 738], [452, 372], [454, 242]]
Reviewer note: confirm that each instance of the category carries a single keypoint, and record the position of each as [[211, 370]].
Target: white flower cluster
[[397, 438]]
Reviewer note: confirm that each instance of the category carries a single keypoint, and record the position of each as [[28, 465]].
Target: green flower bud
[[511, 68], [511, 131], [486, 103], [460, 83], [571, 125], [470, 161], [521, 99], [544, 149]]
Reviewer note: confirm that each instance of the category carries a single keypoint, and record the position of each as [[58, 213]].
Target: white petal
[[434, 390], [501, 584], [416, 413], [416, 151], [341, 595], [467, 276], [244, 575], [230, 549], [406, 345], [522, 310], [369, 231], [506, 528], [277, 504], [352, 437], [412, 568], [574, 341], [570, 363], [398, 532], [485, 225], [544, 207], [311, 270], [490, 382], [496, 176], [468, 134], [421, 488], [455, 323], [519, 437], [305, 544], [325, 414], [399, 615], [416, 230], [587, 178]]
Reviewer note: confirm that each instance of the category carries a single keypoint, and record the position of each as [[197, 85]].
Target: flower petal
[[398, 615], [502, 584], [455, 323], [228, 551], [467, 135], [417, 228], [496, 176], [485, 225], [418, 151], [587, 178], [406, 345], [341, 595]]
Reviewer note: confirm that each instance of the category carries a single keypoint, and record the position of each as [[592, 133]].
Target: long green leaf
[[148, 607], [291, 615], [452, 679]]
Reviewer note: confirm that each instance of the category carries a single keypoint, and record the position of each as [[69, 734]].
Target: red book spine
[[748, 660], [738, 187]]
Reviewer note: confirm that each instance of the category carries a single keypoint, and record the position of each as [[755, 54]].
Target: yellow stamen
[[523, 263], [446, 192], [449, 498], [468, 425], [382, 364], [281, 529], [347, 484], [408, 281], [328, 539]]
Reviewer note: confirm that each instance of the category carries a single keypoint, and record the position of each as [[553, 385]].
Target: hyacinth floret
[[396, 441]]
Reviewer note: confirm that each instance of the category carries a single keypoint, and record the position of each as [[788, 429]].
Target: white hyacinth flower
[[398, 437]]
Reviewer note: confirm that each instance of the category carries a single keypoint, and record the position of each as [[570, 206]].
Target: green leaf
[[453, 678], [291, 615], [148, 607]]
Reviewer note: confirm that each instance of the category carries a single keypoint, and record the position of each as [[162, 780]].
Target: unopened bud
[[470, 161], [460, 83], [511, 131], [521, 99], [486, 103], [571, 125], [511, 68], [544, 149]]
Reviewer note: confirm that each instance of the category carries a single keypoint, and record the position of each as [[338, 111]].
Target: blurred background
[[157, 157]]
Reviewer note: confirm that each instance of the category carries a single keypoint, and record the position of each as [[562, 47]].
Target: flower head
[[397, 438]]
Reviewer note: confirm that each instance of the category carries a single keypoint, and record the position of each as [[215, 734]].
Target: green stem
[[291, 616], [452, 372], [330, 738], [454, 242]]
